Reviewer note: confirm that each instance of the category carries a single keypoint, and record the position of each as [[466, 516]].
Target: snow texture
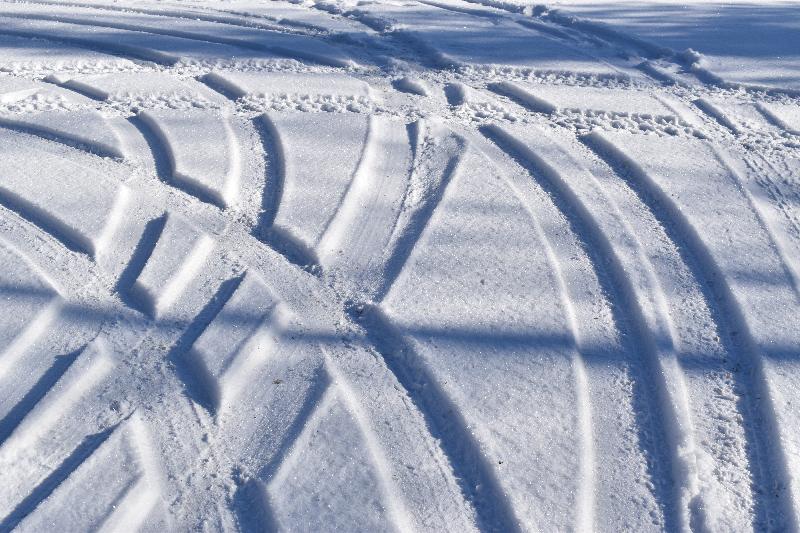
[[430, 265]]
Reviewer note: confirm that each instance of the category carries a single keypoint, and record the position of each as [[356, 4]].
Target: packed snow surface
[[336, 265]]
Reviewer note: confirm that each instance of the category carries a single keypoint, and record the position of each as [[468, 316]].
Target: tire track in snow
[[479, 487], [46, 487], [176, 260], [96, 364], [760, 209], [197, 387], [28, 337], [586, 486], [73, 141], [283, 241], [43, 220], [141, 256], [708, 107], [419, 220], [354, 242], [162, 160], [81, 376], [314, 402], [416, 227], [726, 313], [133, 345], [243, 335], [46, 382], [407, 367], [196, 14], [130, 473], [176, 141], [151, 233], [258, 490], [274, 150], [255, 495], [443, 418], [391, 495], [132, 510], [763, 169], [627, 317], [288, 50], [120, 49], [714, 446], [86, 229], [542, 29]]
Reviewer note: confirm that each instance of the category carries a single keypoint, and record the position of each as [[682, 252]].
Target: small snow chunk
[[411, 85]]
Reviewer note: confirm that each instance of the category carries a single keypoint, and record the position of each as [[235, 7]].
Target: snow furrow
[[477, 479], [125, 44], [202, 150], [585, 498], [766, 417], [42, 491], [396, 507], [268, 43], [191, 14], [437, 265], [315, 403], [412, 228], [131, 476], [80, 129], [90, 369], [165, 163], [177, 257], [275, 179], [455, 337], [355, 240], [658, 370], [28, 337], [296, 214], [83, 216]]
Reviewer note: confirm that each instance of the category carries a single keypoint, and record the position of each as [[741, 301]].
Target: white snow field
[[399, 265]]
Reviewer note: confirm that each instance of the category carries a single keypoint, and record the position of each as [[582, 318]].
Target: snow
[[309, 198], [83, 127], [566, 98], [302, 91], [202, 149], [141, 86], [364, 222], [83, 208], [740, 42], [230, 336], [785, 116], [167, 273], [314, 470], [120, 465], [26, 56], [13, 89], [411, 85], [462, 334], [423, 265]]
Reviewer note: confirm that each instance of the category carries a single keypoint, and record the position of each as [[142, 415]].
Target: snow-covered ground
[[428, 265]]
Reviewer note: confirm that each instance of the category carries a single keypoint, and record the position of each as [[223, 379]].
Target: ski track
[[201, 351]]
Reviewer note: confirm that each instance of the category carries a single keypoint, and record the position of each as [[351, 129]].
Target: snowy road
[[413, 266]]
